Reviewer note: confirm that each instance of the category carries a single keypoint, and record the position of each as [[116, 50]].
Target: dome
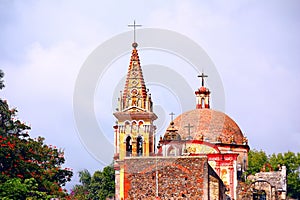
[[208, 125], [172, 133], [203, 89]]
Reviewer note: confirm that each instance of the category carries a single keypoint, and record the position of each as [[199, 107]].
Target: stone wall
[[216, 188], [214, 192], [173, 178], [270, 184]]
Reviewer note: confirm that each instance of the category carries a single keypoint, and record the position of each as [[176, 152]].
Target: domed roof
[[209, 125], [172, 133]]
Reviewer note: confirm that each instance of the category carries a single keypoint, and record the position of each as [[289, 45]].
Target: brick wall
[[177, 178]]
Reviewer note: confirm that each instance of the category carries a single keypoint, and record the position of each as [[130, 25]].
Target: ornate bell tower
[[134, 129]]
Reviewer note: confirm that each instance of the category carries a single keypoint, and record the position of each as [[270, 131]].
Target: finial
[[203, 76], [172, 116], [134, 44], [189, 131]]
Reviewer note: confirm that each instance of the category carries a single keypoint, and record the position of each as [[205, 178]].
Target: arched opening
[[134, 127], [259, 195], [171, 151], [202, 103], [140, 126], [127, 127], [139, 149], [262, 190], [128, 146]]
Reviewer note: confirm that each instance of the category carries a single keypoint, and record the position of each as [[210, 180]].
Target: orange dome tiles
[[209, 125]]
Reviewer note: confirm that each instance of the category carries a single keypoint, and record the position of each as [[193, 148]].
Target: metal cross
[[172, 116], [202, 76], [134, 25], [189, 129]]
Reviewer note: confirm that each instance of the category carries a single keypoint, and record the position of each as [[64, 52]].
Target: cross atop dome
[[202, 94], [172, 132], [202, 77], [189, 131], [134, 25], [172, 116]]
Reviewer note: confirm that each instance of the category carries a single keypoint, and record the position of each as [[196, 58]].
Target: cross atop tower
[[202, 94], [189, 130], [172, 116], [202, 77], [134, 25]]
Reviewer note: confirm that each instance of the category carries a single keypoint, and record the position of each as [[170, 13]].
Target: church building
[[201, 155]]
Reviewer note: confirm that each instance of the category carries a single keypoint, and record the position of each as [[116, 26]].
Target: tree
[[97, 187], [17, 189], [292, 163], [28, 164], [256, 160], [81, 191], [108, 182], [85, 177]]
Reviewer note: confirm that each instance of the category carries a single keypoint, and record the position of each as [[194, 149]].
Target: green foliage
[[256, 160], [28, 166], [97, 187], [292, 162], [108, 182], [85, 177], [17, 189], [13, 189]]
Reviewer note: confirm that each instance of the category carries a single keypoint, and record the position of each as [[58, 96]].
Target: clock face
[[134, 92]]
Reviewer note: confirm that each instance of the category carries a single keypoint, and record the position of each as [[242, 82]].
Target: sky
[[254, 46]]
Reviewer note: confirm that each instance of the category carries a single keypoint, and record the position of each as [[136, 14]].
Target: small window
[[139, 148], [128, 146]]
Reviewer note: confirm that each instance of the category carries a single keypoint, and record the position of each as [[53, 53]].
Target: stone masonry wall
[[175, 178], [217, 188]]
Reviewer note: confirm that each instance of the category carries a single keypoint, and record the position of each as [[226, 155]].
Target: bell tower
[[202, 94], [134, 128]]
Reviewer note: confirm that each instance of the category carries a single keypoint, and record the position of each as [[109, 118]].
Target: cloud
[[254, 45]]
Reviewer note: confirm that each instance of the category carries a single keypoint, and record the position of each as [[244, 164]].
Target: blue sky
[[254, 45]]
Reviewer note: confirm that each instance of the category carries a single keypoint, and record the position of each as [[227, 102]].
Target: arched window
[[127, 127], [140, 126], [134, 127], [139, 149], [128, 146], [202, 103], [171, 151]]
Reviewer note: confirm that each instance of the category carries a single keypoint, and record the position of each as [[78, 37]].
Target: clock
[[134, 92]]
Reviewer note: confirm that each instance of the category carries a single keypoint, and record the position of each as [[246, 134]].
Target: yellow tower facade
[[134, 129]]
